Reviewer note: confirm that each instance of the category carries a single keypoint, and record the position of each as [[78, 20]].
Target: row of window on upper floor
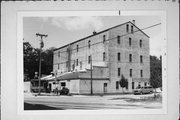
[[119, 57], [130, 72], [118, 41], [104, 59]]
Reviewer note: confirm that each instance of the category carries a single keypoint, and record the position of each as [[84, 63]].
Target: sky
[[67, 29]]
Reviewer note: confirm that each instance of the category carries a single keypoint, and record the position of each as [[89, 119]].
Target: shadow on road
[[28, 106]]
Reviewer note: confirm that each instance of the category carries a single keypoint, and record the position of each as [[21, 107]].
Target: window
[[77, 48], [127, 28], [63, 84], [59, 54], [117, 85], [89, 59], [127, 86], [141, 73], [80, 65], [130, 57], [145, 84], [132, 29], [118, 39], [119, 71], [119, 56], [104, 56], [141, 59], [130, 74], [130, 42], [58, 66], [76, 62], [104, 38], [140, 43], [73, 67], [89, 43], [132, 85]]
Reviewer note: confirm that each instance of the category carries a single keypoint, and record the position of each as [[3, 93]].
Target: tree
[[123, 82], [156, 72], [31, 60]]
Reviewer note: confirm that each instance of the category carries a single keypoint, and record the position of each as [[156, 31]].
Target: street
[[128, 101]]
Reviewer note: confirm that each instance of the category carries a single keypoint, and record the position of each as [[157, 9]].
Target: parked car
[[143, 90], [64, 91]]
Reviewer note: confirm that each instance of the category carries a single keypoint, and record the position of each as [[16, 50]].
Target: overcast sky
[[64, 30]]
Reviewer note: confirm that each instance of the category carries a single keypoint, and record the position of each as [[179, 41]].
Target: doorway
[[50, 87], [105, 87]]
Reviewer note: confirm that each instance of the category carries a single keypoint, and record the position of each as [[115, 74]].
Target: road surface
[[83, 102]]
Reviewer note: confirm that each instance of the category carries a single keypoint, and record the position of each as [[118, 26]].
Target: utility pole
[[91, 77], [41, 46]]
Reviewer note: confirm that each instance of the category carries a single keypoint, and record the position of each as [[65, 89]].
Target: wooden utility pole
[[41, 46], [91, 77]]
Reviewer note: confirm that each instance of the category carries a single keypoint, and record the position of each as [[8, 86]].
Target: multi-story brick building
[[119, 50]]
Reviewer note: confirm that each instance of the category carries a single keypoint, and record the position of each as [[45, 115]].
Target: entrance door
[[105, 87], [50, 86]]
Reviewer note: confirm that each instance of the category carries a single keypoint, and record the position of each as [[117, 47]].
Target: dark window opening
[[140, 43], [104, 56], [89, 43], [127, 86], [130, 74], [77, 48], [76, 62], [130, 57], [59, 54], [141, 73], [127, 28], [119, 56], [132, 85], [130, 42], [119, 71], [117, 85], [63, 84], [104, 38], [89, 59], [118, 39], [132, 29], [141, 59]]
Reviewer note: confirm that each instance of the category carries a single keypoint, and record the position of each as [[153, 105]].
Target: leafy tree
[[31, 60], [123, 82], [156, 72]]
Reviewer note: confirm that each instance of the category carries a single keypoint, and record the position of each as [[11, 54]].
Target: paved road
[[89, 102]]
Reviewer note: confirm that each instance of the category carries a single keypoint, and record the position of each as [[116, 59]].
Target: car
[[64, 91], [143, 90]]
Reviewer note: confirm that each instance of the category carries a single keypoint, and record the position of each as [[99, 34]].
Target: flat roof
[[97, 33]]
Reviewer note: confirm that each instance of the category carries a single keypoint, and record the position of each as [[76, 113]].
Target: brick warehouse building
[[119, 50]]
